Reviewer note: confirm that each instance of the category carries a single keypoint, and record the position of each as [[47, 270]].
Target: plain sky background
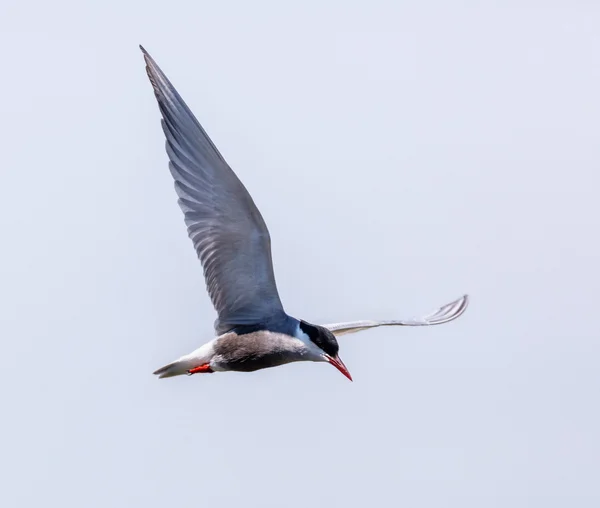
[[402, 154]]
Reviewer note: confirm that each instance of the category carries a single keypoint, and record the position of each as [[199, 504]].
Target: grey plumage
[[444, 314], [228, 232], [234, 247], [257, 350]]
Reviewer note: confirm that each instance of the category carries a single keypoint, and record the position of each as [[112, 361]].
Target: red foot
[[202, 369]]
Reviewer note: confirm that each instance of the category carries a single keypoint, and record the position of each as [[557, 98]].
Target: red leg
[[202, 369]]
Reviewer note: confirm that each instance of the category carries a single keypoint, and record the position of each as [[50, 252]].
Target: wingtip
[[147, 58], [462, 304], [152, 70], [449, 312]]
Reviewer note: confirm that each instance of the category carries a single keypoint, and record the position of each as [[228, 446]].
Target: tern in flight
[[234, 247]]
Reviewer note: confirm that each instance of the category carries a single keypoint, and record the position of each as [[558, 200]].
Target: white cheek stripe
[[310, 345], [299, 334]]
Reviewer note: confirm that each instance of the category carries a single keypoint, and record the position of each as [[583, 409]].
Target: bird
[[233, 244]]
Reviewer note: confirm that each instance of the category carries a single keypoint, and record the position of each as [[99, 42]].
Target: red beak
[[339, 365]]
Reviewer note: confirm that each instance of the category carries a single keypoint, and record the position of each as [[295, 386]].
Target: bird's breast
[[256, 350]]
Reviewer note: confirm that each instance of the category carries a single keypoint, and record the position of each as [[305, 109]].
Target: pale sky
[[402, 154]]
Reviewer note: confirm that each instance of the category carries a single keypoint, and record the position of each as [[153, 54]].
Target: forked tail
[[196, 362], [177, 368]]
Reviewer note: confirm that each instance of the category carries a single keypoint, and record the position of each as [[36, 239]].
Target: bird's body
[[250, 349], [234, 246]]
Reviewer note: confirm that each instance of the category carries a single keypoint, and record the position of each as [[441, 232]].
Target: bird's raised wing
[[442, 315], [228, 231]]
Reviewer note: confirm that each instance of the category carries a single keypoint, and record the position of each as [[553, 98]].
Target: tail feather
[[182, 365], [173, 369]]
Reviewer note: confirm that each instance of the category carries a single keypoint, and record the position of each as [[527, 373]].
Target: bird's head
[[327, 344]]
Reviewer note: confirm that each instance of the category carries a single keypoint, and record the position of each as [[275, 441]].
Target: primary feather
[[448, 312], [228, 232]]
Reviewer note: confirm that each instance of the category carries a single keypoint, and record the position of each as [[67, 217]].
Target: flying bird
[[233, 244]]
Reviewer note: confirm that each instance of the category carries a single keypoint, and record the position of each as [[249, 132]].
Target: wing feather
[[228, 232], [444, 314]]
